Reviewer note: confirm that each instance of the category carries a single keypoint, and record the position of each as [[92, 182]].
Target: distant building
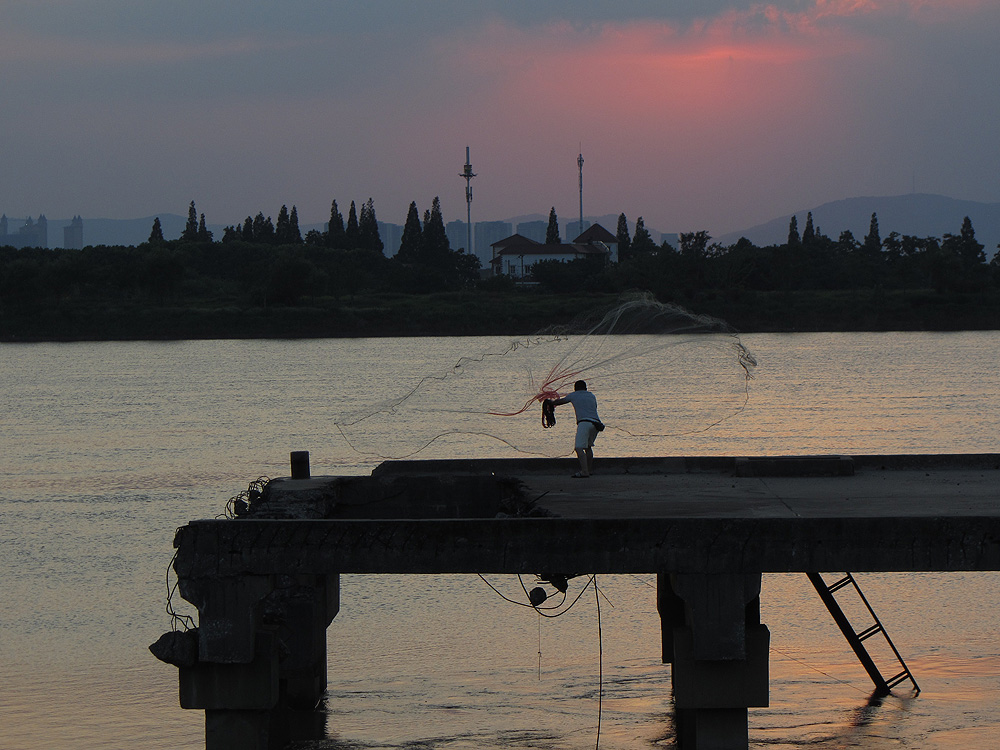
[[31, 234], [533, 230], [485, 234], [574, 228], [516, 255], [73, 234], [458, 235], [391, 235]]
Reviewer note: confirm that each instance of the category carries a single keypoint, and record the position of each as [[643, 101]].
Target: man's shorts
[[586, 434]]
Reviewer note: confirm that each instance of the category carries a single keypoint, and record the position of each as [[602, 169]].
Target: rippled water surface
[[105, 448]]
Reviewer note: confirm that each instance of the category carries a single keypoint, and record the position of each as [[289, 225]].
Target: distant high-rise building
[[486, 233], [574, 229], [31, 234], [458, 234], [533, 230], [391, 235], [73, 234]]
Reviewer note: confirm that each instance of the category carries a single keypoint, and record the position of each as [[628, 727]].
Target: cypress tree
[[156, 234], [247, 234], [793, 232], [203, 234], [263, 229], [412, 241], [552, 230], [624, 241], [809, 233], [435, 239], [335, 235], [293, 226], [368, 235], [282, 232], [351, 232], [642, 241], [190, 232], [873, 240]]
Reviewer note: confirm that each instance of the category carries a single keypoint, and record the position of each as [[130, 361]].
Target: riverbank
[[470, 313]]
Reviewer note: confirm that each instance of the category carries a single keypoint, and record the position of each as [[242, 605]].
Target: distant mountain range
[[918, 214]]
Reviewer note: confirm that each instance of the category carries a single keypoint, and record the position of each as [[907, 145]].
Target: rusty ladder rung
[[904, 675], [839, 584], [866, 634]]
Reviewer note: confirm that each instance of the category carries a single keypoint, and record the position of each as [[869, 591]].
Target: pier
[[266, 583]]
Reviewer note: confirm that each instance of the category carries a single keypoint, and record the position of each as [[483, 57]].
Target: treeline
[[807, 261], [260, 267]]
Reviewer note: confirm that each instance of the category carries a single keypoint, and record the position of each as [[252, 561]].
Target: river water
[[106, 448]]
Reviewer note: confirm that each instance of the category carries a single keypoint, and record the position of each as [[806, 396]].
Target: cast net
[[657, 370]]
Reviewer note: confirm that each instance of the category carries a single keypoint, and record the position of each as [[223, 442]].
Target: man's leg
[[590, 460], [582, 454]]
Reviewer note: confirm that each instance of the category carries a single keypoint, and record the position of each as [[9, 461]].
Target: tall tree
[[293, 226], [247, 234], [793, 232], [203, 234], [624, 241], [190, 232], [368, 235], [436, 246], [642, 241], [335, 234], [282, 233], [872, 244], [809, 233], [263, 229], [156, 234], [552, 230], [351, 232], [969, 249], [411, 242]]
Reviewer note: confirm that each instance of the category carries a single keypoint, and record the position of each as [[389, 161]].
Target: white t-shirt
[[584, 404]]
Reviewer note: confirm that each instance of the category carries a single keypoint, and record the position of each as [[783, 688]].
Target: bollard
[[300, 464]]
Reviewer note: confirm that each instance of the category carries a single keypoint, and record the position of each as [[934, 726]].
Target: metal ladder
[[856, 638]]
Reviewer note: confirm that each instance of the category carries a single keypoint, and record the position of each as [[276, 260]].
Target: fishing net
[[657, 371]]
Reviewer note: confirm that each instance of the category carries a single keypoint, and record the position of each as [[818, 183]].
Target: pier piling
[[267, 584]]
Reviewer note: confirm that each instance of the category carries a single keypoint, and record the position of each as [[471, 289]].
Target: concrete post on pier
[[260, 670], [713, 637]]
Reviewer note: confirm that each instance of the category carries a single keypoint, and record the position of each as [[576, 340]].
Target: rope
[[600, 636], [176, 618], [817, 669]]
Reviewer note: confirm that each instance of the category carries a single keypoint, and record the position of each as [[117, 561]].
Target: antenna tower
[[579, 163], [468, 174]]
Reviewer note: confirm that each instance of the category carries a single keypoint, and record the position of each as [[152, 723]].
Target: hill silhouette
[[915, 214]]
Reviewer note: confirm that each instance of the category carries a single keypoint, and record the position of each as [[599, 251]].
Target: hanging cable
[[600, 664], [176, 619]]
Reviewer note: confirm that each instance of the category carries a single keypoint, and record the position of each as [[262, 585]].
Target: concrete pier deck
[[708, 527]]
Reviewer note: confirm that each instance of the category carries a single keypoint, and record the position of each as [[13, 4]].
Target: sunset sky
[[695, 114]]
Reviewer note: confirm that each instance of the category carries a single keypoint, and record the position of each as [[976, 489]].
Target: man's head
[[580, 385]]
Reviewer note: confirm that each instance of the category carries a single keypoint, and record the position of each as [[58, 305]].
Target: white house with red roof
[[516, 255]]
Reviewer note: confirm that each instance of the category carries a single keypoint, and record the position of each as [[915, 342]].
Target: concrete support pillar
[[671, 609], [228, 614], [261, 667], [719, 656], [300, 609]]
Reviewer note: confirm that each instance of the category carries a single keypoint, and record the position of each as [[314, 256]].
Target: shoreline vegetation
[[266, 281], [472, 313]]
